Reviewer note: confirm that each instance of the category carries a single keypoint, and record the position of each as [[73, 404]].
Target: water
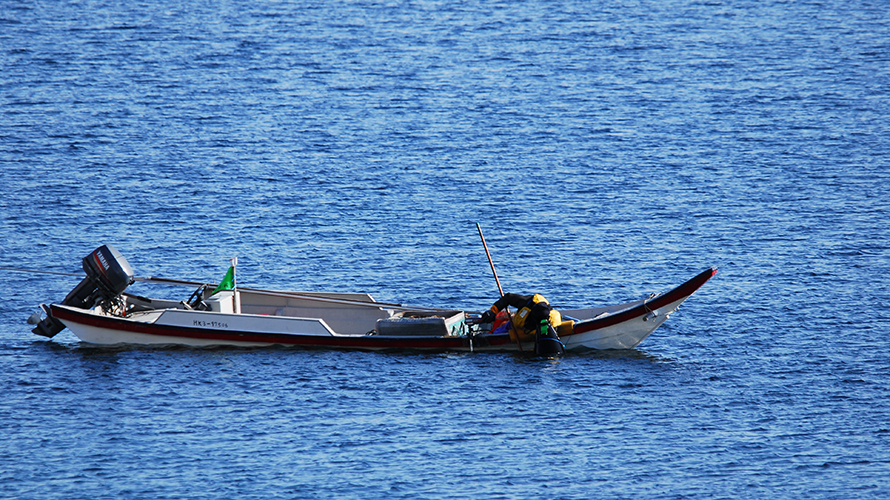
[[609, 150]]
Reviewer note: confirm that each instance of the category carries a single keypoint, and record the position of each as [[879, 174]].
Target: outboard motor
[[547, 342], [108, 275]]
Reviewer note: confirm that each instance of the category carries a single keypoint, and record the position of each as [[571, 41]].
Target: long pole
[[490, 262], [501, 290], [19, 270], [275, 293]]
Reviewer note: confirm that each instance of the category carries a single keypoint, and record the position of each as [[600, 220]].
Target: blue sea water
[[608, 149]]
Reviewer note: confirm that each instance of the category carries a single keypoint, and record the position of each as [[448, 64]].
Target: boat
[[100, 311]]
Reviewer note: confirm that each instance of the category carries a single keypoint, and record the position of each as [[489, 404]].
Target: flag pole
[[237, 296]]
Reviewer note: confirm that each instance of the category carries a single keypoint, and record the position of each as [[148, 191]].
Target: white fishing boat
[[100, 311]]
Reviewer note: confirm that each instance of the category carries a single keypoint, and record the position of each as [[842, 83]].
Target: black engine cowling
[[108, 275]]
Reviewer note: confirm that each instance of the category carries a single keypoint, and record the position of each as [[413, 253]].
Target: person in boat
[[531, 310]]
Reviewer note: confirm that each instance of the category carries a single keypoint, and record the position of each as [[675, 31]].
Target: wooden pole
[[277, 293], [501, 290], [490, 262]]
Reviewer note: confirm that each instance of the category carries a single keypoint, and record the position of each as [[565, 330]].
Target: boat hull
[[622, 327], [95, 328]]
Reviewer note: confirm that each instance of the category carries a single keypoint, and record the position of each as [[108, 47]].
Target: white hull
[[354, 321], [625, 335], [106, 336]]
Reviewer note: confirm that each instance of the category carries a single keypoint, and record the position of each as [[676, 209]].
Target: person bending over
[[532, 309]]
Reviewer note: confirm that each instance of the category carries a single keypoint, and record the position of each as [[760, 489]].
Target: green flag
[[228, 281]]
